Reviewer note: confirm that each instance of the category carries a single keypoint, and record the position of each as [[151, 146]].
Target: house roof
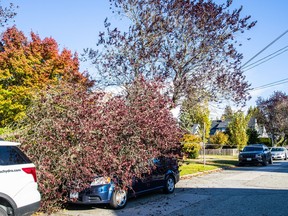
[[252, 122], [223, 124], [219, 124], [195, 129]]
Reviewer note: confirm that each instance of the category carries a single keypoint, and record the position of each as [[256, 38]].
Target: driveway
[[247, 191]]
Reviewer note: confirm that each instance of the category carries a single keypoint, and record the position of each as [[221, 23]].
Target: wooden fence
[[233, 152]]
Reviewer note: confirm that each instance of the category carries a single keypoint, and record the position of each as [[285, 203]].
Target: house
[[222, 125], [261, 130], [218, 125], [195, 129]]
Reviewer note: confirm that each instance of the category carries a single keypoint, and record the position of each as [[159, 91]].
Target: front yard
[[212, 162]]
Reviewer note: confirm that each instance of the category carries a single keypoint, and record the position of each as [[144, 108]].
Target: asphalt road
[[242, 191]]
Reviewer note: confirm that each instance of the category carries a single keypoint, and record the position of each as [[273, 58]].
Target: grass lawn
[[192, 166]]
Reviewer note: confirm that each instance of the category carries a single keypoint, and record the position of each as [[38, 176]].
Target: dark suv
[[103, 190], [255, 154]]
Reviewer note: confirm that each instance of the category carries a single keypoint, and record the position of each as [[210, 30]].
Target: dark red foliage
[[273, 115], [188, 43], [7, 14], [73, 135]]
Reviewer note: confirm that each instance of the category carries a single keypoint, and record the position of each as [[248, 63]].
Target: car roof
[[8, 143], [256, 145]]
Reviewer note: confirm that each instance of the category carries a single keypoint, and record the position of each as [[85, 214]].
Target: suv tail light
[[32, 171]]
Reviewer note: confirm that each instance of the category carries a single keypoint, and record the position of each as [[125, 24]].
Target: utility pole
[[204, 158]]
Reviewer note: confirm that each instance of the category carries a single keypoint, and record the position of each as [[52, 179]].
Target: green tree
[[252, 136], [28, 66], [195, 113], [228, 113], [237, 129]]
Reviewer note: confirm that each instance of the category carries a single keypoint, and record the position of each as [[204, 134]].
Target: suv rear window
[[11, 155]]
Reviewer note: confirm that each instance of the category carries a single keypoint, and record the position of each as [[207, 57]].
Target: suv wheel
[[264, 163], [271, 161], [3, 212]]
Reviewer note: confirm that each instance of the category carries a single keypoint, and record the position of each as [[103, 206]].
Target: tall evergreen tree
[[197, 113]]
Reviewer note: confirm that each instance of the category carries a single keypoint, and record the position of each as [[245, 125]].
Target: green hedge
[[266, 141]]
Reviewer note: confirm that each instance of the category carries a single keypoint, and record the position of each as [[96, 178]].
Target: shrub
[[191, 149], [5, 130], [252, 136], [72, 135], [191, 145], [219, 139], [264, 140]]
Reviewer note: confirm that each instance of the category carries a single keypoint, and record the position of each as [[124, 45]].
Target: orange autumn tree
[[29, 65]]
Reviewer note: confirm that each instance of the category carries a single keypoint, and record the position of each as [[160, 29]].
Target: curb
[[205, 172]]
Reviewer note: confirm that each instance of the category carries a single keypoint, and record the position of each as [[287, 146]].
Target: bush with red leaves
[[72, 135]]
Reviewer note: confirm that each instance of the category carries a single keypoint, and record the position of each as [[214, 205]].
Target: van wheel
[[119, 199], [169, 185], [3, 212]]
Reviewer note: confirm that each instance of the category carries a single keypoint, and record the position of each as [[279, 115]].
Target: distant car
[[279, 153], [255, 154], [19, 193], [103, 190]]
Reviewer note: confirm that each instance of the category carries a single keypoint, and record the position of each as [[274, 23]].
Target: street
[[247, 191]]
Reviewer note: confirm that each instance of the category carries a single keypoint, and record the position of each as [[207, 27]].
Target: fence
[[232, 152]]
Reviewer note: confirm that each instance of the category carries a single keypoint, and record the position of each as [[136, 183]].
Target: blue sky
[[75, 24]]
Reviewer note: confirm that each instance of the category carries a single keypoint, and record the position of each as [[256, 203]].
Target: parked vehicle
[[279, 153], [255, 154], [19, 193], [103, 190]]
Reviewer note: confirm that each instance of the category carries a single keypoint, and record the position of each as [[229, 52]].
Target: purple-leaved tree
[[191, 45]]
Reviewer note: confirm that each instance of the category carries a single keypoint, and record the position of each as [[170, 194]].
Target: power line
[[263, 60], [279, 82], [265, 48]]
